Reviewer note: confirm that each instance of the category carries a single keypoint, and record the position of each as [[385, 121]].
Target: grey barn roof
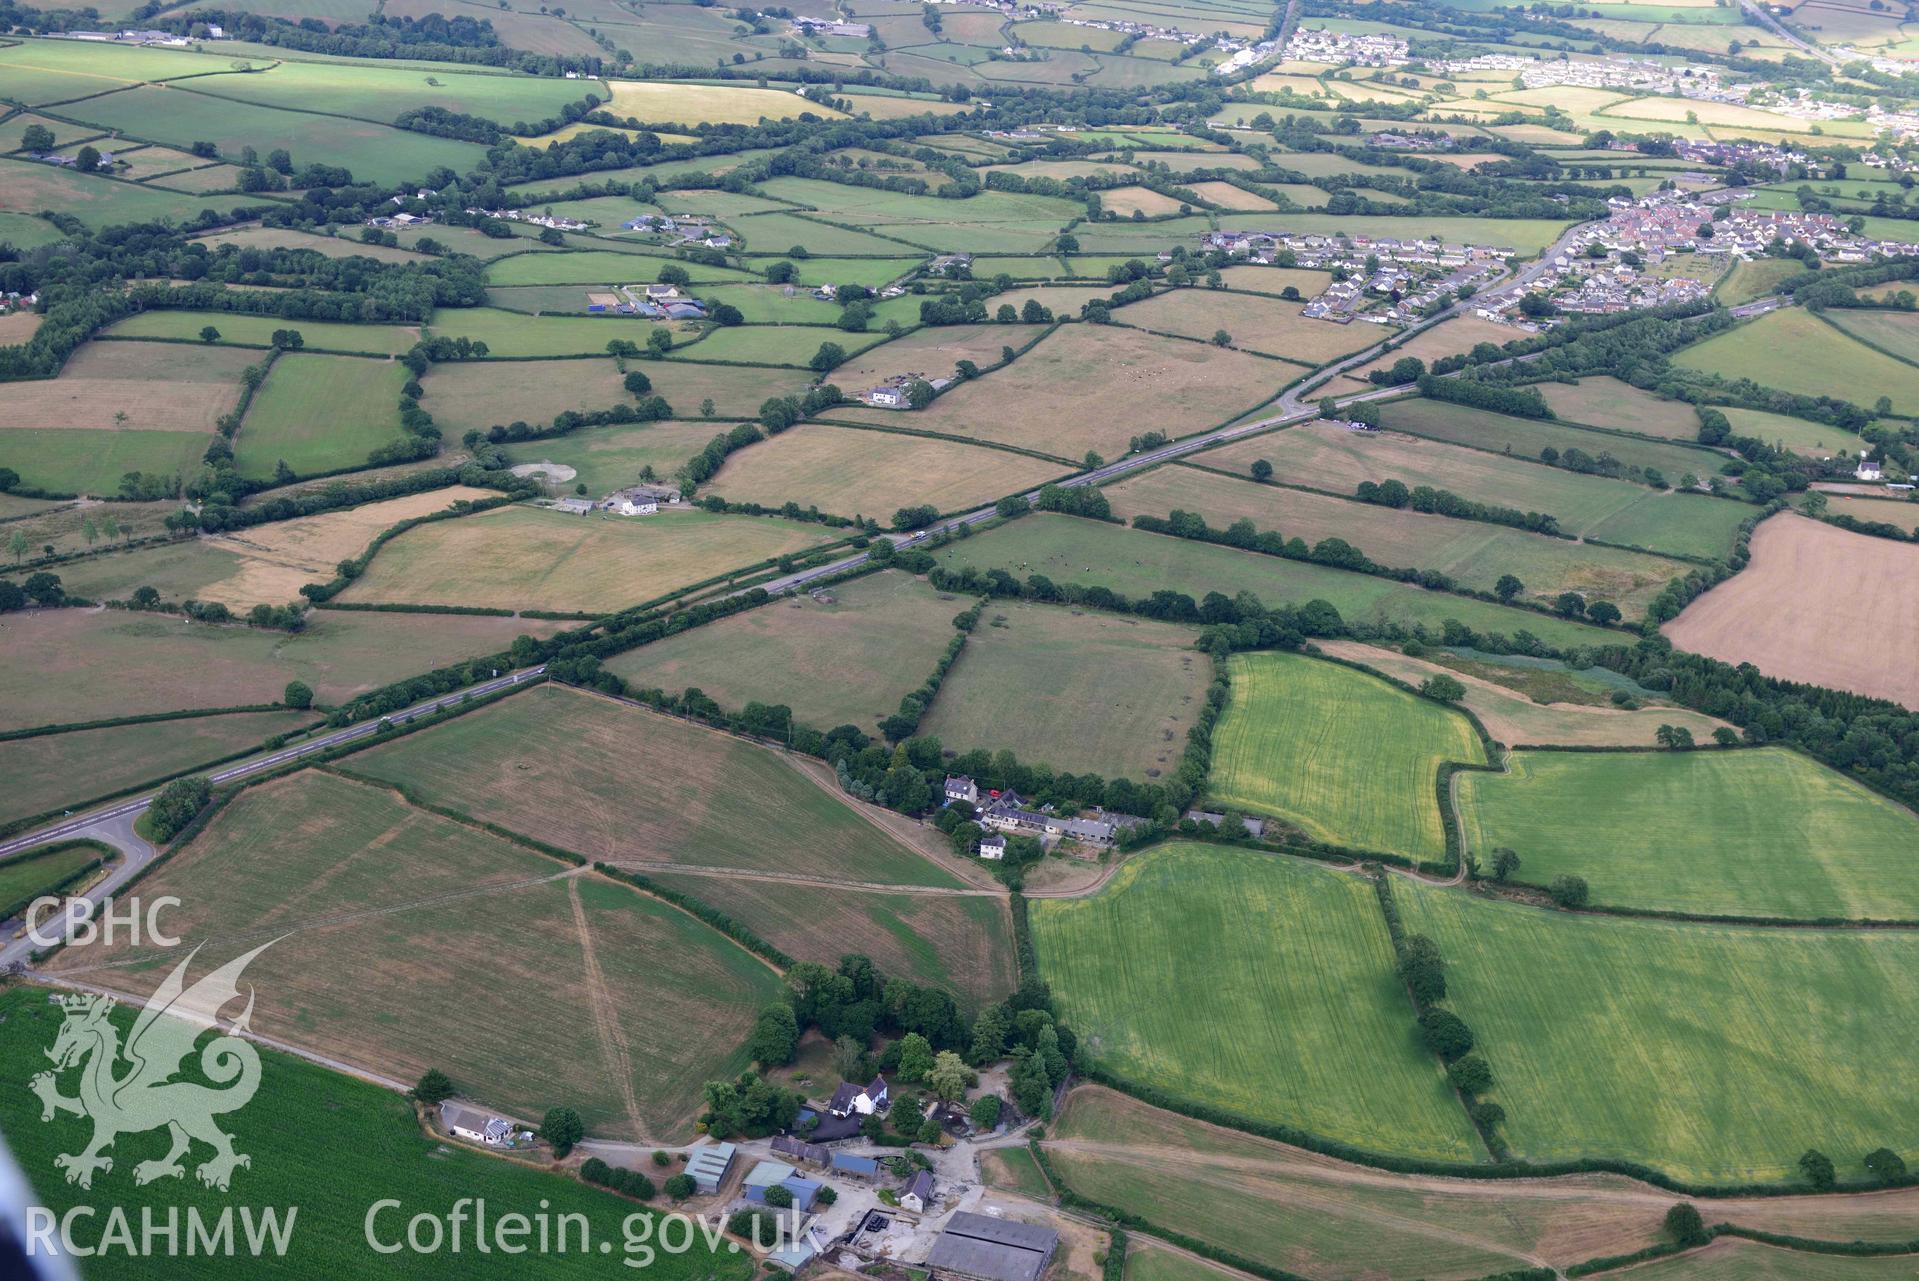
[[974, 1245]]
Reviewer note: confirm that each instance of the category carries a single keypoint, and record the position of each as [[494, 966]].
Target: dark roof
[[975, 1245], [799, 1149], [921, 1186], [843, 1097]]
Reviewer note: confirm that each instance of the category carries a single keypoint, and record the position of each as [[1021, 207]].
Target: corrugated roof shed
[[988, 1249], [708, 1165]]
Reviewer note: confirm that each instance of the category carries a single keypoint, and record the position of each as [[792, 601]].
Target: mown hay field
[[845, 661], [1607, 402], [1081, 387], [693, 104], [491, 393], [1257, 984], [1340, 754], [67, 666], [1254, 322], [1900, 512], [1824, 359], [1513, 718], [1475, 553], [1448, 337], [1137, 564], [1527, 437], [1615, 511], [1733, 1259], [319, 413], [1712, 1053], [257, 331], [927, 353], [1082, 692], [1815, 604], [1229, 1189], [1226, 196], [634, 1003], [55, 770], [851, 472], [960, 942], [1761, 832], [131, 387], [639, 789], [530, 558]]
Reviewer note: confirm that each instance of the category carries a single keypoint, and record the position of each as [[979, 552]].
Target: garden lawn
[[319, 413], [846, 659], [642, 790], [1713, 1053], [1255, 984], [1344, 756], [532, 558], [1762, 832]]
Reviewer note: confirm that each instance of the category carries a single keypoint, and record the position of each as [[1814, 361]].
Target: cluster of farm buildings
[[858, 1207], [1007, 814]]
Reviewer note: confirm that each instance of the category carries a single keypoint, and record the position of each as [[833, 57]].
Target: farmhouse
[[709, 1166], [639, 500], [975, 1247], [962, 789], [463, 1122], [888, 396], [1008, 813], [865, 1100], [1868, 469], [992, 846], [919, 1193]]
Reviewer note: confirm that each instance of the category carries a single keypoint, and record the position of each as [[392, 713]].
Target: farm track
[[825, 882], [614, 1046]]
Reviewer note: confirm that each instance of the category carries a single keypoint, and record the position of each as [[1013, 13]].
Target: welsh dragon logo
[[144, 1096]]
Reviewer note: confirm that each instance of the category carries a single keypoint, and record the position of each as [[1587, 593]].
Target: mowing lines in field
[[1254, 983], [1344, 756], [1713, 1053]]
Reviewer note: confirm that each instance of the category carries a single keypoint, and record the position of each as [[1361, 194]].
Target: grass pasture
[[1473, 552], [1800, 435], [238, 330], [1763, 832], [1714, 1053], [530, 558], [1607, 402], [1084, 693], [1615, 511], [131, 387], [319, 413], [961, 942], [57, 770], [508, 333], [1256, 323], [652, 102], [608, 458], [628, 786], [25, 877], [1824, 358], [63, 460], [67, 666], [488, 393], [634, 1003], [849, 661], [1893, 332], [1258, 984], [1081, 386], [1342, 755], [1136, 564], [851, 472]]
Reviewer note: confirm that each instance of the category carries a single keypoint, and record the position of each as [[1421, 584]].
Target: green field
[[1614, 511], [1755, 279], [1475, 553], [639, 789], [1136, 565], [53, 770], [1252, 983], [1741, 833], [66, 460], [1825, 361], [529, 558], [25, 877], [847, 660], [319, 413], [1083, 693], [304, 1120], [1607, 402], [1344, 756], [1714, 1053], [32, 187], [257, 331], [1526, 437], [608, 458], [1893, 332], [1802, 436], [600, 267], [508, 333], [634, 1003]]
